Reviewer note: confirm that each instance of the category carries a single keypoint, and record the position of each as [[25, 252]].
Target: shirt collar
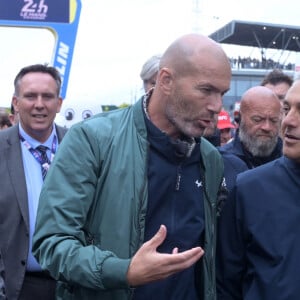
[[33, 142]]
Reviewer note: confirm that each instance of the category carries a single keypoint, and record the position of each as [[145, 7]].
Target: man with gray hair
[[149, 72], [257, 140]]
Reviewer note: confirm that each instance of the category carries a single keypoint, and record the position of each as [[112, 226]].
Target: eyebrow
[[212, 87]]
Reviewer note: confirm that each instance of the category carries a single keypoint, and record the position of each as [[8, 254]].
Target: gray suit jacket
[[14, 216]]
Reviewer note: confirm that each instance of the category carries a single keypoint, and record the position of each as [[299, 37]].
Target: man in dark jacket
[[26, 151], [257, 140], [259, 245]]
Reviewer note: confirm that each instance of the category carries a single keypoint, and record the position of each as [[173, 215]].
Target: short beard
[[175, 111], [256, 146]]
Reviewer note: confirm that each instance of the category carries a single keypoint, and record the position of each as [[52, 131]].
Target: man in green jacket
[[128, 208]]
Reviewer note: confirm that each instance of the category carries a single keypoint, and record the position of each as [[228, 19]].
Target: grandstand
[[249, 71]]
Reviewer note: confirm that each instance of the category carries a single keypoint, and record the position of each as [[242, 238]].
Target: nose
[[215, 105], [267, 125], [39, 101], [291, 119]]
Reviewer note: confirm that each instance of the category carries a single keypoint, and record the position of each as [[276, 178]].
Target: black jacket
[[236, 148]]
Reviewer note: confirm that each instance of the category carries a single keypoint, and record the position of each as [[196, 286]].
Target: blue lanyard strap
[[37, 154]]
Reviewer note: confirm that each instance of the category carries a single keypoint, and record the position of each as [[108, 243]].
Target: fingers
[[159, 237], [172, 263], [190, 256], [177, 262], [175, 250], [148, 265]]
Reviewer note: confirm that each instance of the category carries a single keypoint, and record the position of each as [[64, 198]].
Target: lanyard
[[37, 155]]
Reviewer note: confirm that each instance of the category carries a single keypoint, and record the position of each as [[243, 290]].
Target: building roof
[[261, 35]]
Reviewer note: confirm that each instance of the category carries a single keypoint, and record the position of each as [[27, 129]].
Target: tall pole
[[197, 12]]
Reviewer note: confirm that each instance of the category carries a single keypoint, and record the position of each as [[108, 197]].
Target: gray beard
[[256, 147]]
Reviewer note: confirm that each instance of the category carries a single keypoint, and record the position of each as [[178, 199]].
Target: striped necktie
[[45, 163]]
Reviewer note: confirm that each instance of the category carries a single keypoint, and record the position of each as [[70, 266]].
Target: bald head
[[259, 96], [191, 52], [260, 120], [193, 76]]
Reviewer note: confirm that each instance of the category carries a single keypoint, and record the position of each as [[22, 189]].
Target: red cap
[[224, 120]]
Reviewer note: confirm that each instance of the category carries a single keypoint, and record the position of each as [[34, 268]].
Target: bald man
[[133, 217], [257, 140]]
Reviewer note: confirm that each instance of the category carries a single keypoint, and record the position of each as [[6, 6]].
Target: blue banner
[[36, 10], [61, 17]]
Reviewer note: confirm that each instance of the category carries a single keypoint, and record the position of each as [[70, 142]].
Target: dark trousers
[[38, 286]]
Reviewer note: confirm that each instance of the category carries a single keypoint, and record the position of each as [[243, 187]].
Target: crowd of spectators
[[254, 63]]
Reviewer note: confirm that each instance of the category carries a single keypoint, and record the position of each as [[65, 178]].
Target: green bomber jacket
[[91, 215]]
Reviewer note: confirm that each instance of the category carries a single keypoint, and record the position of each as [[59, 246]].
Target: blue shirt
[[34, 182]]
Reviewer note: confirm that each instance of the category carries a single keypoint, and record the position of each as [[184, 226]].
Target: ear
[[15, 103], [60, 102], [166, 80], [237, 117]]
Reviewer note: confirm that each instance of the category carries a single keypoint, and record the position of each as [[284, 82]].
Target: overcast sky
[[115, 37]]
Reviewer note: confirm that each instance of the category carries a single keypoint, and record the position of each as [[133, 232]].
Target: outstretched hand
[[148, 265]]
